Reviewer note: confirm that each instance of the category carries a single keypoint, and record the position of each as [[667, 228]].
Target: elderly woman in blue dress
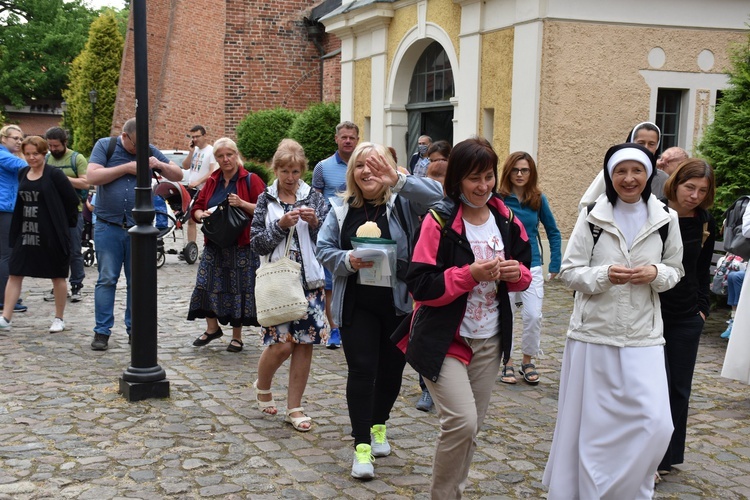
[[290, 202]]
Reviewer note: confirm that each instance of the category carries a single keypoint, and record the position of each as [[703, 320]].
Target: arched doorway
[[430, 111]]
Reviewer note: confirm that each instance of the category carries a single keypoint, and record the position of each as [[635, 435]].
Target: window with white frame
[[668, 117]]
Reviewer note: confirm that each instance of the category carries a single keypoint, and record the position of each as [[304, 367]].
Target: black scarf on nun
[[610, 188]]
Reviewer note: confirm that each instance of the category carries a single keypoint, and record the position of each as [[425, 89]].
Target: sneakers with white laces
[[362, 467], [4, 324], [379, 443], [58, 325]]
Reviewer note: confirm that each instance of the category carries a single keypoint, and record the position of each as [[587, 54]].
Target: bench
[[718, 254]]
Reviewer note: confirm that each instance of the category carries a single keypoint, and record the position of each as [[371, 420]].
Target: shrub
[[260, 170], [259, 133], [314, 130]]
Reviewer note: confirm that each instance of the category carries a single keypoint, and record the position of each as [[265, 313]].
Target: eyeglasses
[[196, 136], [522, 171], [14, 138], [437, 160], [130, 139]]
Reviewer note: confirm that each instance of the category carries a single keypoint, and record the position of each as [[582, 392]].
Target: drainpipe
[[315, 32]]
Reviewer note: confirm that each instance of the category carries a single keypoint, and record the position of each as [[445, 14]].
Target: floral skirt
[[311, 329], [225, 286]]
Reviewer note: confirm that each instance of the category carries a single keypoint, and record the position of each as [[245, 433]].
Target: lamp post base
[[138, 391]]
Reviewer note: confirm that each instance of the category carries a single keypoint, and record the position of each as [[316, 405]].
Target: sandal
[[201, 341], [267, 407], [531, 376], [235, 345], [508, 377], [298, 421]]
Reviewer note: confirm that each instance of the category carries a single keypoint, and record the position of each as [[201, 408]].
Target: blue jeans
[[734, 286], [112, 252], [76, 257], [5, 249]]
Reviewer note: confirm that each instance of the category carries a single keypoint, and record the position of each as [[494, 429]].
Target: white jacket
[[620, 315]]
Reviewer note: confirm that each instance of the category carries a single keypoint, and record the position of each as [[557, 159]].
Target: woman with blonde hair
[[11, 137], [378, 200], [225, 285], [519, 188], [290, 203]]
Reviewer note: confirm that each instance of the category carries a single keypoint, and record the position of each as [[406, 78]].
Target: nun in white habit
[[613, 421], [737, 359]]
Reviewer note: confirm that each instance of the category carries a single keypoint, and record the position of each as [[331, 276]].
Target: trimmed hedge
[[260, 170], [314, 129], [259, 133]]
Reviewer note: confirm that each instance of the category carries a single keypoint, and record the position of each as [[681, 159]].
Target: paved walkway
[[65, 432]]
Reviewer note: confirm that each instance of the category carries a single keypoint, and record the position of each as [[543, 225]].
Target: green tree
[[96, 67], [726, 142], [38, 41], [315, 128]]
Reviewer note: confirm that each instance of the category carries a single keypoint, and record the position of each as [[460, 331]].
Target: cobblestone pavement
[[65, 432]]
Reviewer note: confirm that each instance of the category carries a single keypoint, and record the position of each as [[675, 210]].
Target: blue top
[[531, 219], [329, 176], [116, 200], [10, 164], [221, 192]]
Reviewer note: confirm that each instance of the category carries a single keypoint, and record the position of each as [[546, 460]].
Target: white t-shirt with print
[[482, 314], [200, 165]]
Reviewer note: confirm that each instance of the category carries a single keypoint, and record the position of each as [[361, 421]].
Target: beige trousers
[[461, 395]]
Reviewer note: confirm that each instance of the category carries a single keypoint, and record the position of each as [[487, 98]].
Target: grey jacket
[[416, 196]]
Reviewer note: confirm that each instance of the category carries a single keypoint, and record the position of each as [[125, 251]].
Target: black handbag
[[225, 224]]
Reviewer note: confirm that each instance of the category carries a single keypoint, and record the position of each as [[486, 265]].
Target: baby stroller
[[170, 225]]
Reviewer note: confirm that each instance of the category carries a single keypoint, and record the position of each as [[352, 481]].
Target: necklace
[[367, 216]]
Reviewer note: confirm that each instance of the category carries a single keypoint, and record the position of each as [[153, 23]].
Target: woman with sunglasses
[[520, 191]]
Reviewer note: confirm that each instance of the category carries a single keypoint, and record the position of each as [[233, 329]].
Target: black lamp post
[[144, 378], [92, 99]]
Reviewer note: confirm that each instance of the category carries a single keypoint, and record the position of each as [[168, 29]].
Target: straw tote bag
[[279, 296]]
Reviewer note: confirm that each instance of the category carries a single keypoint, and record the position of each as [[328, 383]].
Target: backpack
[[726, 264], [82, 193], [596, 231], [734, 241]]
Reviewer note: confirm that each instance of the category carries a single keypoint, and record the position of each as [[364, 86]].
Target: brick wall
[[213, 62], [332, 70]]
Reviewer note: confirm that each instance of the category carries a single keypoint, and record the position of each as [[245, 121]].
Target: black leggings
[[375, 364]]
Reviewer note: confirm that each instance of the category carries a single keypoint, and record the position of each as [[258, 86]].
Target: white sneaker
[[4, 323], [379, 443], [58, 325], [49, 296], [362, 467]]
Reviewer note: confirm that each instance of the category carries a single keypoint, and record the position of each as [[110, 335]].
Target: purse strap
[[264, 259]]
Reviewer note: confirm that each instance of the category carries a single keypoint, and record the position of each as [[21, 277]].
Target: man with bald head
[[670, 159]]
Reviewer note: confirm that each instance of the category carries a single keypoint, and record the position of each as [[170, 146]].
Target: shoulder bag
[[279, 296], [225, 224]]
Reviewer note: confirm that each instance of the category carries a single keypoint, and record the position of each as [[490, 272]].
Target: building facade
[[212, 63], [560, 79]]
